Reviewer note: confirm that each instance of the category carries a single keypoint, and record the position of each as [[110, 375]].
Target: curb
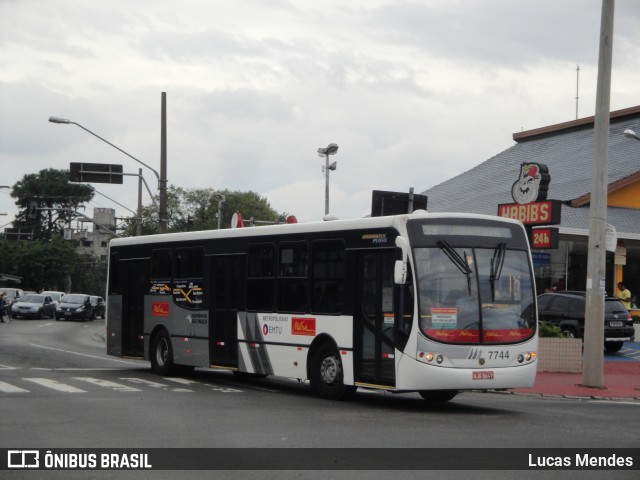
[[552, 396]]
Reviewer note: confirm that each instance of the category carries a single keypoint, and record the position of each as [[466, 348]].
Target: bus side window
[[292, 278], [261, 277], [161, 263], [328, 271], [189, 262]]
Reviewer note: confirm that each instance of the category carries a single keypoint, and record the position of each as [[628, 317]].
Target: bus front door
[[223, 316], [374, 318]]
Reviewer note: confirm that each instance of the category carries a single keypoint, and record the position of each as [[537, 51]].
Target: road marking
[[7, 367], [104, 369], [85, 354], [55, 385], [183, 381], [629, 353], [151, 384], [621, 402], [8, 388], [118, 387], [216, 388]]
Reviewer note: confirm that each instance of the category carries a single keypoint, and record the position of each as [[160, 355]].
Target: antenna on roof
[[577, 88]]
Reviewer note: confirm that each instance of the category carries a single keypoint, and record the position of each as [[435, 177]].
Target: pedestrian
[[3, 305], [624, 296]]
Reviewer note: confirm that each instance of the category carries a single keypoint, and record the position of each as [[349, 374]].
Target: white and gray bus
[[433, 303]]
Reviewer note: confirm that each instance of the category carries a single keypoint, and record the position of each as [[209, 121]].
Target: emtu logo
[[23, 459]]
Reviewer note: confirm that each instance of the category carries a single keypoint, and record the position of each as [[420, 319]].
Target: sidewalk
[[621, 380]]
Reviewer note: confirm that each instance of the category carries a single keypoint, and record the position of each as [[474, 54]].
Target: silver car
[[33, 305]]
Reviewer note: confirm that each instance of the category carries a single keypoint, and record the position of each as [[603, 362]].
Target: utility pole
[[163, 165], [593, 362]]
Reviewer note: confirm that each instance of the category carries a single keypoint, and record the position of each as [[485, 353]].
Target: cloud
[[413, 92]]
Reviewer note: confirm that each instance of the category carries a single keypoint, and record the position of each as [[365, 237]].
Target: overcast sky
[[414, 92]]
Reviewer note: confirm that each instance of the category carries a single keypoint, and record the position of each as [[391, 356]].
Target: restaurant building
[[567, 151]]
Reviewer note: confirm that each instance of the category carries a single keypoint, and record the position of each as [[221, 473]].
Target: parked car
[[55, 295], [75, 306], [99, 306], [33, 305], [567, 310]]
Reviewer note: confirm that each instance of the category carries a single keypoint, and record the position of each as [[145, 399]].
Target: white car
[[56, 296]]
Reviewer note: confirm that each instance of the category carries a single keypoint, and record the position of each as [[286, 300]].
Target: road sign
[[395, 203], [95, 173]]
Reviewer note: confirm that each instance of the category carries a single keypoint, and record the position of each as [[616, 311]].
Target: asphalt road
[[58, 389]]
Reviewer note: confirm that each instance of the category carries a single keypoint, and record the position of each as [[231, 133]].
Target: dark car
[[98, 305], [567, 310], [75, 306], [33, 305]]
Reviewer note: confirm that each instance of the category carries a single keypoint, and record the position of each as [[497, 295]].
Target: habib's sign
[[532, 184], [534, 213], [529, 192], [545, 237]]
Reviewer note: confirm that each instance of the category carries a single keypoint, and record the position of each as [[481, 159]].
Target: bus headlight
[[430, 357], [526, 357], [426, 356]]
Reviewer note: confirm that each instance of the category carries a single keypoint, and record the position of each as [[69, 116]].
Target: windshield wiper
[[497, 262], [460, 262]]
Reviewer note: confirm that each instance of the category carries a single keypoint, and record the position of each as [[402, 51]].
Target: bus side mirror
[[400, 272], [400, 268]]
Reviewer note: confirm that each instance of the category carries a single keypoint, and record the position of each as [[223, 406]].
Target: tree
[[45, 265], [197, 209], [54, 198]]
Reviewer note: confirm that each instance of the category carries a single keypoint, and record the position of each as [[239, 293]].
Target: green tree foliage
[[196, 209], [89, 275], [56, 201], [45, 265]]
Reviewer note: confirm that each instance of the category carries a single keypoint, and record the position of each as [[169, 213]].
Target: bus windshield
[[475, 295]]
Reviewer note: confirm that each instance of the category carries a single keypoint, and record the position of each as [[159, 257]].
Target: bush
[[636, 318], [549, 330]]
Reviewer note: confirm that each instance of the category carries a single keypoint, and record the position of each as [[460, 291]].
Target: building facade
[[567, 150], [95, 242]]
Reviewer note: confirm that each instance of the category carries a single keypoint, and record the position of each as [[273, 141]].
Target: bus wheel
[[161, 354], [438, 396], [326, 374]]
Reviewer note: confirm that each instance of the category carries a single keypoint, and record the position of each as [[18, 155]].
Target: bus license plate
[[484, 375]]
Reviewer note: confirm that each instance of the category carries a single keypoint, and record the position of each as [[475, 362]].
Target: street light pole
[[220, 198], [331, 149], [161, 177], [593, 365]]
